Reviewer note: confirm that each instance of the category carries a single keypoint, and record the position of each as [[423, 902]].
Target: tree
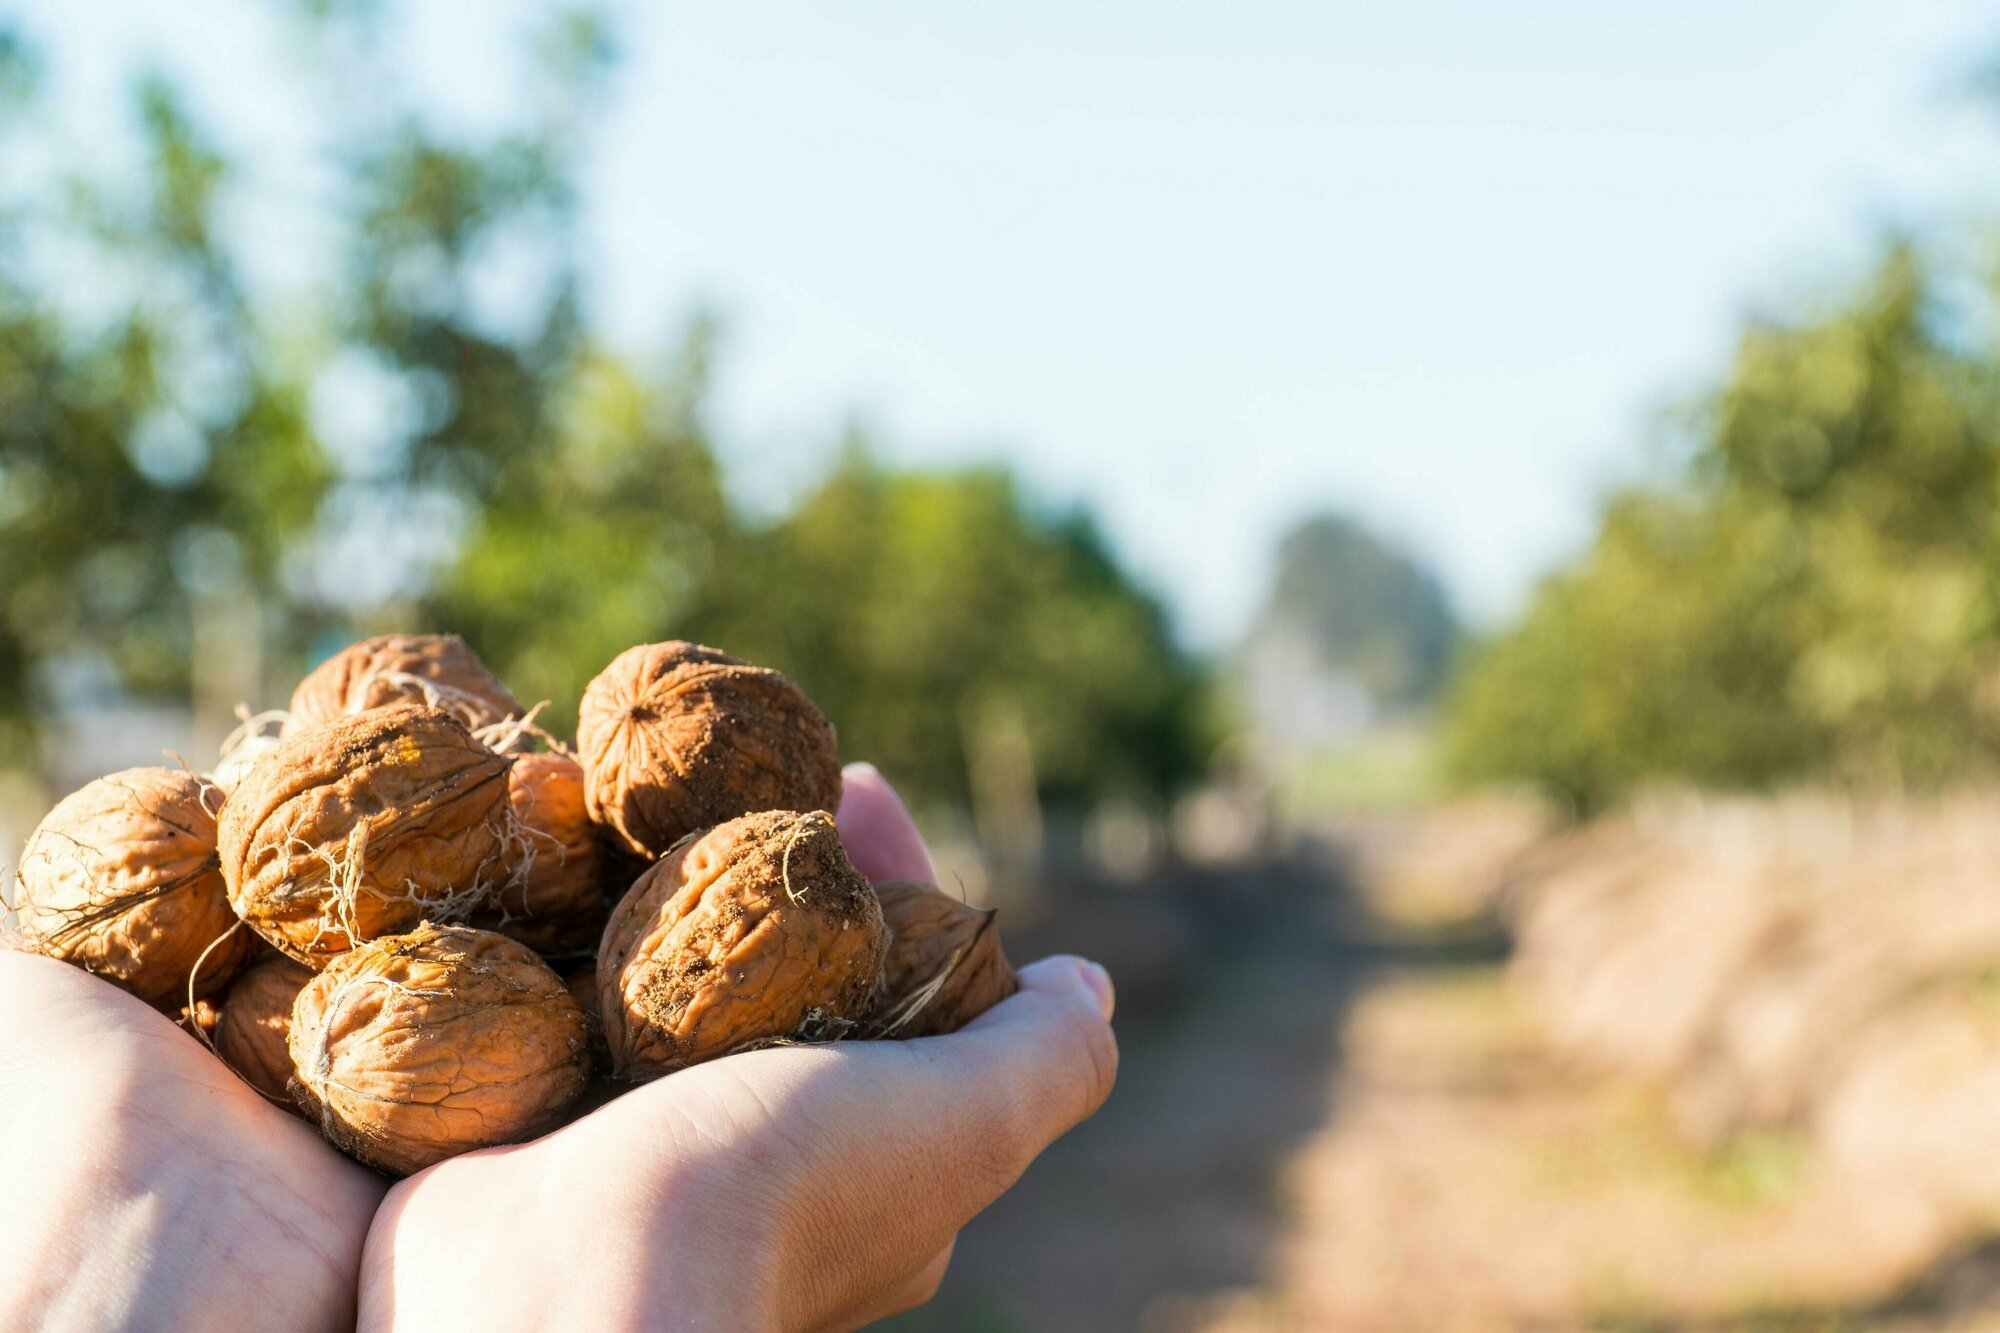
[[1816, 597], [208, 474], [928, 611], [1370, 612]]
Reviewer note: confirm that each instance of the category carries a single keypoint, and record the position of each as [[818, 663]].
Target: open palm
[[795, 1188], [790, 1188]]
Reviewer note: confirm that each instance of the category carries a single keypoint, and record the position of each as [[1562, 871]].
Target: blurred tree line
[[1816, 594], [191, 474]]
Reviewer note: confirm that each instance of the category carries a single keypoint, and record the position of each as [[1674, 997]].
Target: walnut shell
[[756, 931], [256, 1019], [434, 669], [419, 1047], [582, 986], [122, 880], [550, 899], [199, 1020], [364, 826], [676, 737], [945, 965]]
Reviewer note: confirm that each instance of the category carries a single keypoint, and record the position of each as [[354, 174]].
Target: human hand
[[147, 1186], [807, 1187]]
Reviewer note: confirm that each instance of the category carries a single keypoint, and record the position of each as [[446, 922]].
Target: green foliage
[[180, 462], [148, 462], [1815, 599], [921, 610], [601, 537]]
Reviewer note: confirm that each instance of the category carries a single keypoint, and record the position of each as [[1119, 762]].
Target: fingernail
[[861, 768], [1099, 982]]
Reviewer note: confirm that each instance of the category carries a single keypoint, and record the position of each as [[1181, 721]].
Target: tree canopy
[[192, 468], [1813, 597]]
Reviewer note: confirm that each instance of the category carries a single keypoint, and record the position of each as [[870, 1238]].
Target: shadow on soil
[[1233, 990]]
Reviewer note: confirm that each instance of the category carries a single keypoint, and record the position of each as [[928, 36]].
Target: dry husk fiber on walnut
[[256, 1018], [435, 669], [122, 879], [419, 1047], [945, 965], [550, 899], [364, 826], [758, 930], [676, 737]]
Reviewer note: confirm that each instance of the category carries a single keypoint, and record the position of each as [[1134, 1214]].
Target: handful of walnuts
[[405, 922]]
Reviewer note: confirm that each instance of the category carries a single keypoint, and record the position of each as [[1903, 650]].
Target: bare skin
[[146, 1186], [800, 1188]]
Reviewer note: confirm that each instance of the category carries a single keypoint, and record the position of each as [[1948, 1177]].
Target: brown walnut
[[418, 1047], [945, 965], [364, 826], [676, 737], [550, 899], [758, 930], [256, 1019], [434, 669], [122, 879]]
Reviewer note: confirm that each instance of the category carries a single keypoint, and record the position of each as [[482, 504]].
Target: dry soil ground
[[1323, 1125]]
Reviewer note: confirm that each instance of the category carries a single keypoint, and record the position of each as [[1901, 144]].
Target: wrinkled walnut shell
[[758, 930], [364, 826], [256, 1019], [434, 669], [582, 986], [945, 965], [122, 880], [550, 899], [676, 737], [422, 1046]]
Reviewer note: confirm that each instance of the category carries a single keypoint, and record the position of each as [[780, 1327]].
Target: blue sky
[[1207, 266]]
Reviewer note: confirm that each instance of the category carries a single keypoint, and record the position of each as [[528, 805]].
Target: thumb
[[1045, 1058], [881, 838]]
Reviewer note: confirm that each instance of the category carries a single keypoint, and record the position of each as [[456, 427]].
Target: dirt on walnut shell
[[756, 931]]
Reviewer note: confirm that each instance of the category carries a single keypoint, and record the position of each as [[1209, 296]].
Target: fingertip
[[1069, 974], [1058, 1027]]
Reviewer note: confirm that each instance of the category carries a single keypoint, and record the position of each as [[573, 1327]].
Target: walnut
[[582, 986], [434, 669], [945, 965], [756, 931], [122, 880], [550, 899], [256, 1018], [364, 826], [418, 1047], [676, 737]]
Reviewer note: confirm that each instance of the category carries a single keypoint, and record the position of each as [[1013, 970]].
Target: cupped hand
[[805, 1187], [146, 1186]]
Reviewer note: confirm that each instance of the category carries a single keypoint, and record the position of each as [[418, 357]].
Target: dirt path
[[1320, 1128], [1169, 1199]]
